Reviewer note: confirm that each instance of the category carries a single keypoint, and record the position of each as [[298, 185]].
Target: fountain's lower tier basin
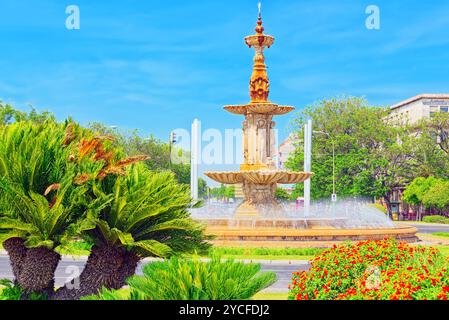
[[312, 237], [304, 223]]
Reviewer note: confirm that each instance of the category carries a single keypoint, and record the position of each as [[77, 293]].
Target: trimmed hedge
[[436, 219]]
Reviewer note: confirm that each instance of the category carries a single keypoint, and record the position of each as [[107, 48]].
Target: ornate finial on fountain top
[[259, 28], [259, 83]]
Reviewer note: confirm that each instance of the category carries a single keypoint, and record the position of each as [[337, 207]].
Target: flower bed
[[381, 270]]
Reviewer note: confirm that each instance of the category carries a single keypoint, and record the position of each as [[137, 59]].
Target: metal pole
[[170, 140], [310, 144], [307, 164], [194, 159], [306, 141], [333, 165]]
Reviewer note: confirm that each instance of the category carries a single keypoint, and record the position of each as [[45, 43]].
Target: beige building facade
[[285, 150], [411, 111], [419, 107]]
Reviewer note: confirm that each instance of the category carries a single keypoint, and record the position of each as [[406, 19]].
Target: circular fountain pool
[[287, 225]]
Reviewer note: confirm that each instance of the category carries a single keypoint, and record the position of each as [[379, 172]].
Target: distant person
[[298, 203]]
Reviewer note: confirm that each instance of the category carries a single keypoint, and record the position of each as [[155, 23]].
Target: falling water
[[344, 214]]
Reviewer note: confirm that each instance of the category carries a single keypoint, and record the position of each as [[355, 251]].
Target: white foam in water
[[344, 214]]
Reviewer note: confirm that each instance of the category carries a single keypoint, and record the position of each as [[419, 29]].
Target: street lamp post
[[334, 194], [308, 132], [171, 141], [195, 151]]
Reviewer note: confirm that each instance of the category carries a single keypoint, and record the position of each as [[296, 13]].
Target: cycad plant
[[46, 175], [39, 202], [183, 279], [138, 215], [58, 181], [35, 228]]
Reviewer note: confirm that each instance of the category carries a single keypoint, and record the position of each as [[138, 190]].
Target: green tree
[[159, 152], [202, 188], [432, 145], [437, 196], [223, 192], [8, 114], [372, 157], [414, 193], [282, 194]]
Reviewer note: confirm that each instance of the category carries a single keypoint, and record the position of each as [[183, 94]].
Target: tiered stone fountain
[[251, 225], [258, 174]]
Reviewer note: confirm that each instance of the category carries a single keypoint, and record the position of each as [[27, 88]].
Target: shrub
[[180, 279], [39, 204], [10, 291], [282, 194], [418, 188], [437, 196], [141, 214], [436, 219], [381, 270]]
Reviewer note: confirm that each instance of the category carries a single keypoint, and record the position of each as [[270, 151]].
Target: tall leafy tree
[[158, 152], [432, 145], [9, 114], [417, 189], [372, 157], [437, 196]]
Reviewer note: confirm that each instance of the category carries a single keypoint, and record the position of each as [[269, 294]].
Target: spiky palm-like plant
[[39, 202], [142, 214], [47, 170], [39, 227], [182, 279]]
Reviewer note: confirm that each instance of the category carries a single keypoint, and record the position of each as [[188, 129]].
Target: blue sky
[[156, 65]]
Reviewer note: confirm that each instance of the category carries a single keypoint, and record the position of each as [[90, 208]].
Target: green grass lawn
[[441, 234], [266, 257], [266, 253], [444, 250], [80, 248]]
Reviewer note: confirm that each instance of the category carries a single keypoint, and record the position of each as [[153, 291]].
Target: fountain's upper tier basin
[[259, 176], [263, 108]]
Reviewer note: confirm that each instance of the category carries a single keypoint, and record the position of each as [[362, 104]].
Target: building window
[[444, 109]]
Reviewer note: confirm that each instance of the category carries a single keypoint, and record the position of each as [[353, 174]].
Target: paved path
[[428, 227], [69, 267]]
